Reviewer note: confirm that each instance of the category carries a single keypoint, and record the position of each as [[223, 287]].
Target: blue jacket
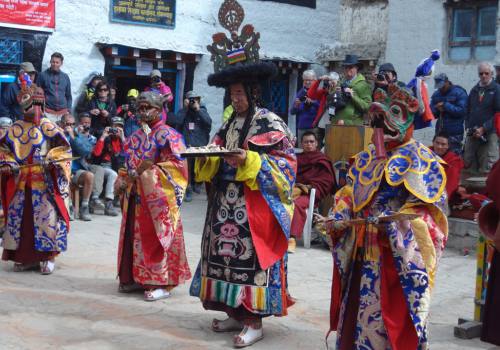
[[451, 120], [57, 88], [9, 107], [481, 110], [305, 113], [82, 147], [200, 122]]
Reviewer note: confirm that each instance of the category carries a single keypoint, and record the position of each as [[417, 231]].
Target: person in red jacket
[[319, 91], [454, 164], [106, 159]]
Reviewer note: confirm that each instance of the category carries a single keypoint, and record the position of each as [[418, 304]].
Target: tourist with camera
[[102, 108], [449, 106], [481, 145], [82, 143], [106, 159], [356, 92], [128, 112], [194, 123], [325, 91], [304, 108], [157, 85], [386, 76]]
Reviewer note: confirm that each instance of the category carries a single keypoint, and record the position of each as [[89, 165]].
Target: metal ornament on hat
[[242, 47]]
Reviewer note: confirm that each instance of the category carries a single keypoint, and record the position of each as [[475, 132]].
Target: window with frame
[[472, 30]]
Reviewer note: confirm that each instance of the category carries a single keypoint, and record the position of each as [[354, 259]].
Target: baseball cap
[[133, 93], [192, 94], [155, 73], [440, 80], [5, 122], [117, 120], [27, 67]]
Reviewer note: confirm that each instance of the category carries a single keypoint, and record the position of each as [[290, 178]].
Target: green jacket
[[352, 113]]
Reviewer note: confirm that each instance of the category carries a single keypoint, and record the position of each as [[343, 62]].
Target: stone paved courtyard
[[78, 307]]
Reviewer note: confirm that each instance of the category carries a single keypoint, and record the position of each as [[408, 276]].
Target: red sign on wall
[[31, 14]]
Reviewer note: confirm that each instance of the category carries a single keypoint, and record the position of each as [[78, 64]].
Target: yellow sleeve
[[248, 172], [206, 171]]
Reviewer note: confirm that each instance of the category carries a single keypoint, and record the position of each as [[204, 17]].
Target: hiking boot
[[97, 204], [188, 197], [85, 213], [197, 188], [110, 210]]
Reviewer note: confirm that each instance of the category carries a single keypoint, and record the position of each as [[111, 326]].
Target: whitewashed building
[[91, 42], [294, 33]]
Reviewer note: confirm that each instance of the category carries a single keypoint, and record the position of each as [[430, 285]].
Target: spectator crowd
[[466, 129], [98, 129]]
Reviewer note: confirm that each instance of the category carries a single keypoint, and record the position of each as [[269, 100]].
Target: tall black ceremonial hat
[[243, 73]]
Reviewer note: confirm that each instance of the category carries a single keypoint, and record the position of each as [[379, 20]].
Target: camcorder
[[326, 84], [337, 100]]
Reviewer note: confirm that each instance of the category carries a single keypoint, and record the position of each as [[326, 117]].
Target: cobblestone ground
[[78, 307]]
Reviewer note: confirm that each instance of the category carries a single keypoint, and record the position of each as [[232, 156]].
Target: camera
[[472, 131], [192, 101], [381, 77], [155, 79], [113, 131], [86, 128], [326, 84], [337, 100]]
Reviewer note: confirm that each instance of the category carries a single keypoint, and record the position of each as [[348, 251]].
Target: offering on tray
[[209, 150]]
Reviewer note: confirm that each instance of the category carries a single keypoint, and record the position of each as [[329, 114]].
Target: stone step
[[463, 235]]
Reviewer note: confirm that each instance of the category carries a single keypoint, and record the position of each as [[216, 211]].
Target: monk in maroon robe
[[314, 170], [454, 164]]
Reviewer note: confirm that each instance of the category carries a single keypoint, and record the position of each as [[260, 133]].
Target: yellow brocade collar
[[411, 164], [24, 136]]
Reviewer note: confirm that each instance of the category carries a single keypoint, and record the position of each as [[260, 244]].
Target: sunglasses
[[484, 73]]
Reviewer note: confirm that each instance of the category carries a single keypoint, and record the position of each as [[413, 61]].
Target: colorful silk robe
[[248, 219], [159, 256], [395, 265], [26, 143]]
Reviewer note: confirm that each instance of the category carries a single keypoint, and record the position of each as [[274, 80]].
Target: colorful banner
[[30, 14], [145, 12]]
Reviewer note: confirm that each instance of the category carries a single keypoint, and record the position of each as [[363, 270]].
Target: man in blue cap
[[449, 106]]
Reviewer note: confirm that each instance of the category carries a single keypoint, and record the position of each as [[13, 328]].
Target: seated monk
[[314, 170], [454, 164]]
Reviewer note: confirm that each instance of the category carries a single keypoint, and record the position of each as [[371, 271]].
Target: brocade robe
[[26, 143], [159, 256], [383, 277], [247, 227]]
